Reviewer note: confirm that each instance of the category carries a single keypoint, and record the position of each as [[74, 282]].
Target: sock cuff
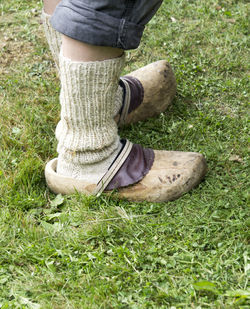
[[118, 62]]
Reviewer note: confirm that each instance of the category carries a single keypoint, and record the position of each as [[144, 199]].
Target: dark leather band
[[133, 94], [136, 92], [135, 167]]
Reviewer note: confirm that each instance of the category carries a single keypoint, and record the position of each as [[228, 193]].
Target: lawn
[[85, 252]]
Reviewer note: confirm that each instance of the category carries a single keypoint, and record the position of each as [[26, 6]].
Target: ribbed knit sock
[[87, 134], [53, 37]]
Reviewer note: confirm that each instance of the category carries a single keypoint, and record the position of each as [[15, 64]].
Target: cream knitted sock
[[87, 133], [53, 37]]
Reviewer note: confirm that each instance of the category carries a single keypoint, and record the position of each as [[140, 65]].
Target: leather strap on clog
[[114, 167], [129, 167], [132, 98]]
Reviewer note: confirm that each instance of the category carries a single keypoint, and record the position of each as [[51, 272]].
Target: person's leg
[[87, 134], [88, 143], [141, 94]]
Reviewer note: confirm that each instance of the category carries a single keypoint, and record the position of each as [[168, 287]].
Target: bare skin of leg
[[79, 51], [50, 5]]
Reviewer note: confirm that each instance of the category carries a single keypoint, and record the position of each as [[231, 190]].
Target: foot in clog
[[147, 92], [138, 174]]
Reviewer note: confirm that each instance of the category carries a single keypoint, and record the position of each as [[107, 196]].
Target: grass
[[86, 252]]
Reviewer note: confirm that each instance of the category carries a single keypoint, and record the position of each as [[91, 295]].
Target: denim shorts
[[114, 23]]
